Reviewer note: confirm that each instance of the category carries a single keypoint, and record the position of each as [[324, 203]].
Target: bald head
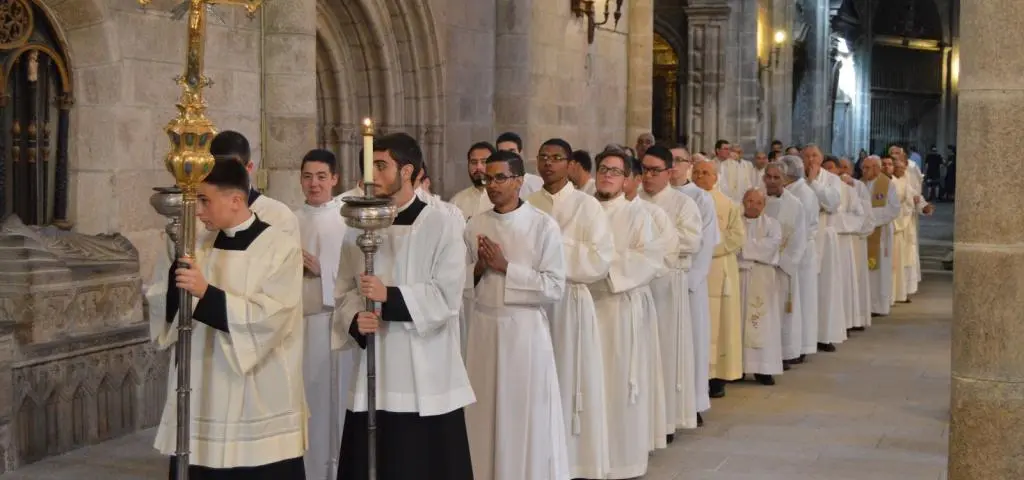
[[753, 203], [705, 175]]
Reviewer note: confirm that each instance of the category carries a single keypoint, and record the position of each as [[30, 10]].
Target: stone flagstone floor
[[877, 409]]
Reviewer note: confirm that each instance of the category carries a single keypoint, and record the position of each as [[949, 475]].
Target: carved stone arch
[[387, 62], [671, 35]]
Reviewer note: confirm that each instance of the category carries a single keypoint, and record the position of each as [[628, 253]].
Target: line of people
[[552, 326]]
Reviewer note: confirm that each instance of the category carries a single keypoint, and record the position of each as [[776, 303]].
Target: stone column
[[781, 93], [987, 407], [742, 81], [639, 88], [7, 436], [512, 66], [707, 39], [289, 75], [943, 117]]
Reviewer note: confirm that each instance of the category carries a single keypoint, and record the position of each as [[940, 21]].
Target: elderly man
[[736, 175], [643, 142], [885, 207], [826, 187], [760, 161], [848, 222], [862, 304], [912, 204], [786, 208], [759, 291], [723, 284], [793, 169]]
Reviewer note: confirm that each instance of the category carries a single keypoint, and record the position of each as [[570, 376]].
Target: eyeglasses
[[499, 179], [654, 171], [611, 171], [543, 158], [681, 159]]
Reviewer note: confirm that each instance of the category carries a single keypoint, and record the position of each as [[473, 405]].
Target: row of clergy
[[551, 272]]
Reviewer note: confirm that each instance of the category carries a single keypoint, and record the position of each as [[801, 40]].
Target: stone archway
[[379, 58]]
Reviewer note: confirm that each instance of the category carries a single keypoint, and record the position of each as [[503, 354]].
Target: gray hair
[[698, 158], [791, 165]]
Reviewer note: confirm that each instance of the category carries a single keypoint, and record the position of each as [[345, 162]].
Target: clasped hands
[[489, 254], [372, 288]]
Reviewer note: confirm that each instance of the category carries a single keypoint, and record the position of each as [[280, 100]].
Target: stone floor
[[876, 409]]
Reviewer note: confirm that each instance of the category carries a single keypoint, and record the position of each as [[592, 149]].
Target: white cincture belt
[[577, 398]]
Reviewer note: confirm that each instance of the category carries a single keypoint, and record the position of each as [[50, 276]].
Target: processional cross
[[190, 161]]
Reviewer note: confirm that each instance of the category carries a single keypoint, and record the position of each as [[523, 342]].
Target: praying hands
[[491, 255]]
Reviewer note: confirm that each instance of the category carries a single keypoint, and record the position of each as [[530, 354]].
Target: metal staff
[[189, 160], [369, 214]]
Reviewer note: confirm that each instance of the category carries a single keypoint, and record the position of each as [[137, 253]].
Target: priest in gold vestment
[[726, 359]]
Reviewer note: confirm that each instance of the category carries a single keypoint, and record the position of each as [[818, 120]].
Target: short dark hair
[[771, 155], [423, 168], [719, 144], [514, 161], [510, 137], [481, 146], [660, 152], [601, 157], [558, 142], [830, 158], [776, 142], [230, 142], [403, 149], [228, 173], [582, 157], [322, 156], [636, 168]]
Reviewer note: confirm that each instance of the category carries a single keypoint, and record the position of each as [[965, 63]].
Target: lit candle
[[367, 151]]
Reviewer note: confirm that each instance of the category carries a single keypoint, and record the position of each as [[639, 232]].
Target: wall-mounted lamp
[[777, 42], [587, 8]]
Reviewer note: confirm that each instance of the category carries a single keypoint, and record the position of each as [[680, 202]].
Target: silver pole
[[369, 214]]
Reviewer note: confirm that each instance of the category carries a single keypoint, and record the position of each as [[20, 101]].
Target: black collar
[[409, 215], [242, 239], [514, 209], [253, 195]]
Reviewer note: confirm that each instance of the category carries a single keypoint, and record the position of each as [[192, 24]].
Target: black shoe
[[797, 360], [700, 420], [785, 365], [826, 347], [858, 329], [716, 388], [764, 379], [873, 315], [670, 438]]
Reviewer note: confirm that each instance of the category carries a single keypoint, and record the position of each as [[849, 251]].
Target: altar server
[[247, 408], [422, 386], [326, 373], [589, 249]]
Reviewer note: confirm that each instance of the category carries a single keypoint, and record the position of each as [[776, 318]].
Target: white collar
[[231, 232]]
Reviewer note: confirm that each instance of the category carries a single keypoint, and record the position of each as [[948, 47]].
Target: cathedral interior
[[88, 85]]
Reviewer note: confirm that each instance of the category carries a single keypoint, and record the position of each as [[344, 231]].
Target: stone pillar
[[862, 100], [782, 74], [639, 88], [987, 407], [289, 75], [7, 453], [512, 66], [811, 121], [705, 107], [943, 117], [742, 81]]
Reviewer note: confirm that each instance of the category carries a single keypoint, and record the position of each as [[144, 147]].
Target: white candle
[[367, 151]]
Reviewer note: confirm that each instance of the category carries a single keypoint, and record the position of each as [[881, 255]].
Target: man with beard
[[515, 427], [512, 142], [700, 309], [473, 199], [620, 300], [418, 282], [589, 249], [723, 284], [786, 209], [675, 327]]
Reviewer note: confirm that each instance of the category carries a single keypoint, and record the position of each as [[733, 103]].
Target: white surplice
[[809, 266], [665, 240], [515, 427], [419, 365], [901, 239], [355, 191], [862, 304], [831, 313], [675, 329], [625, 327], [913, 256], [758, 178], [255, 277], [531, 183], [759, 297], [697, 282], [789, 212], [458, 220], [472, 201], [326, 373], [735, 177], [589, 249], [590, 187], [848, 223], [881, 277]]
